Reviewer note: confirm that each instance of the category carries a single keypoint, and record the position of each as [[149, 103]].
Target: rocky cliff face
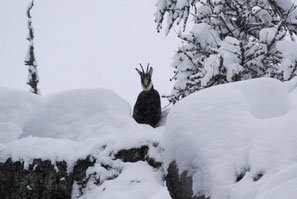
[[40, 180], [45, 180]]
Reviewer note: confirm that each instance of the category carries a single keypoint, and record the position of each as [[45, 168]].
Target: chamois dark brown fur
[[147, 109]]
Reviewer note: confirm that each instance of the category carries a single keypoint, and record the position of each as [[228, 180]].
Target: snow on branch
[[231, 40]]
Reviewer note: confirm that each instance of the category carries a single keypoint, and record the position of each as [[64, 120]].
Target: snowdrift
[[236, 141], [16, 108], [77, 124]]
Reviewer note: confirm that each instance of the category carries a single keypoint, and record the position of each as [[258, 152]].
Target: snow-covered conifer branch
[[231, 40]]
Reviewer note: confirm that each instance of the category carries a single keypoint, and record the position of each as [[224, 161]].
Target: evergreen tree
[[30, 59], [231, 40]]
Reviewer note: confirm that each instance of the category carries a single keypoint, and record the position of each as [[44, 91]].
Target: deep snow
[[137, 180], [74, 124], [245, 128]]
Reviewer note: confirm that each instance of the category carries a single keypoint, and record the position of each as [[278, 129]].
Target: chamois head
[[146, 77]]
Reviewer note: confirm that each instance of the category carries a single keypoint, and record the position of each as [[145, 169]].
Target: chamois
[[147, 109]]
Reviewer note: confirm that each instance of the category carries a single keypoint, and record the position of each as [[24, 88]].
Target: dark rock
[[133, 155], [137, 154], [79, 172], [179, 186], [41, 180], [153, 163]]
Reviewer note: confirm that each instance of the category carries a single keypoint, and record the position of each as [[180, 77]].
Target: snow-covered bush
[[236, 140], [230, 40]]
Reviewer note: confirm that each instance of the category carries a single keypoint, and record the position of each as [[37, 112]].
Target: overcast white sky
[[85, 43]]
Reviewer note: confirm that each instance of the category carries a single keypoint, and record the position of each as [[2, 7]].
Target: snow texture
[[17, 107], [228, 41], [245, 129], [237, 141], [137, 180], [73, 124]]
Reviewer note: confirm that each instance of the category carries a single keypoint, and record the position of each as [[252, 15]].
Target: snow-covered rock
[[79, 115], [233, 141], [40, 180], [236, 141], [68, 125], [137, 180], [90, 132]]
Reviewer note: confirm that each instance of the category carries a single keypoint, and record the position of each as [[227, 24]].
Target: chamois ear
[[139, 72], [151, 71]]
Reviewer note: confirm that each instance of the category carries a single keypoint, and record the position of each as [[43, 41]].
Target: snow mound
[[68, 125], [16, 108], [267, 98], [79, 114], [235, 140]]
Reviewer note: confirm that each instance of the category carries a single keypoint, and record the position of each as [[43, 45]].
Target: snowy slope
[[74, 124], [241, 129], [237, 141]]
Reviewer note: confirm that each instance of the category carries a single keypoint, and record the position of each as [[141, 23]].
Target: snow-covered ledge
[[76, 144], [235, 141], [227, 142]]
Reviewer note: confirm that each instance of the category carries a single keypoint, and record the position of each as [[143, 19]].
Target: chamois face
[[146, 78]]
